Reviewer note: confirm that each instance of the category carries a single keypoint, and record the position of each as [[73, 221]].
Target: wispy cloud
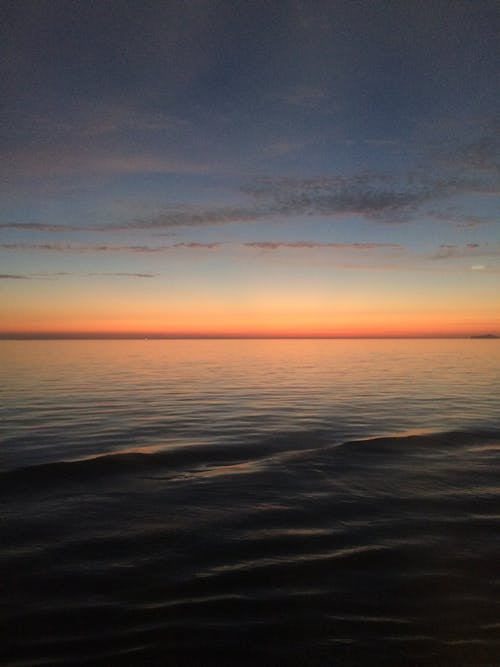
[[122, 274], [13, 276], [77, 248], [379, 197], [277, 245], [66, 274], [463, 220], [190, 217], [452, 170], [480, 154], [478, 157], [358, 256], [195, 246], [468, 250], [104, 248], [375, 196], [37, 226], [442, 252]]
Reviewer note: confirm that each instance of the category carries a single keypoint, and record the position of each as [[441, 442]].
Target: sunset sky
[[296, 168]]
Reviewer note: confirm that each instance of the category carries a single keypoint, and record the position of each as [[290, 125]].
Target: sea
[[250, 502]]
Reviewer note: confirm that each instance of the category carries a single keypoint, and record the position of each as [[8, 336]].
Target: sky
[[250, 168]]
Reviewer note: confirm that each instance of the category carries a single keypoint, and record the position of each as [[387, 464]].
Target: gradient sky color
[[288, 168]]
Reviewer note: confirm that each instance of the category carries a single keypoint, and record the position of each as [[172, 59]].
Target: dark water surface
[[246, 502]]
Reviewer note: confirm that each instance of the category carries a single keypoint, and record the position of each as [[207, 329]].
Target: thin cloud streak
[[77, 248], [381, 197], [472, 250], [196, 246], [70, 248], [121, 274], [481, 154], [66, 274], [378, 197], [258, 245], [223, 215], [38, 227], [276, 245], [366, 249], [13, 276]]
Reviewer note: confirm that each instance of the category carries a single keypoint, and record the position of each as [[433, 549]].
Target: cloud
[[193, 245], [479, 158], [77, 248], [13, 276], [65, 274], [196, 246], [375, 196], [122, 274], [379, 197], [104, 248], [190, 217], [475, 221], [468, 250], [276, 245], [464, 220], [481, 154], [36, 226], [344, 252]]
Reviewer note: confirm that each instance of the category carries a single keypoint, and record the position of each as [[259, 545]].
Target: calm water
[[235, 502]]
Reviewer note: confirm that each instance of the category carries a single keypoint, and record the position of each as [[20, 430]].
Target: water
[[234, 502]]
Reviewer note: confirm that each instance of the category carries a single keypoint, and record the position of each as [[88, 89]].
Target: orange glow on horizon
[[369, 329], [217, 323], [254, 314]]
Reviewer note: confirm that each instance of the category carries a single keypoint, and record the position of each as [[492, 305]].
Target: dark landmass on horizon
[[487, 336]]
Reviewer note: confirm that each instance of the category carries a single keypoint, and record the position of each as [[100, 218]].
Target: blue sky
[[205, 143]]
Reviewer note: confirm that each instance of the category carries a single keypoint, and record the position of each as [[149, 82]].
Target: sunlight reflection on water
[[84, 398]]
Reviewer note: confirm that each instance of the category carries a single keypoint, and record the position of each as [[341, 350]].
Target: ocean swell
[[292, 550]]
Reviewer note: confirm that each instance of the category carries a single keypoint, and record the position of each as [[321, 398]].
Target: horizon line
[[149, 336]]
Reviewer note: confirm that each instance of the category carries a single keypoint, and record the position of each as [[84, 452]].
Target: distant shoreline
[[486, 336]]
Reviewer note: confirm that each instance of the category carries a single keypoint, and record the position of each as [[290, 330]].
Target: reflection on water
[[82, 398], [239, 502]]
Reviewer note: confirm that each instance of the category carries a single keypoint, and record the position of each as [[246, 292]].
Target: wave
[[206, 459], [297, 549]]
